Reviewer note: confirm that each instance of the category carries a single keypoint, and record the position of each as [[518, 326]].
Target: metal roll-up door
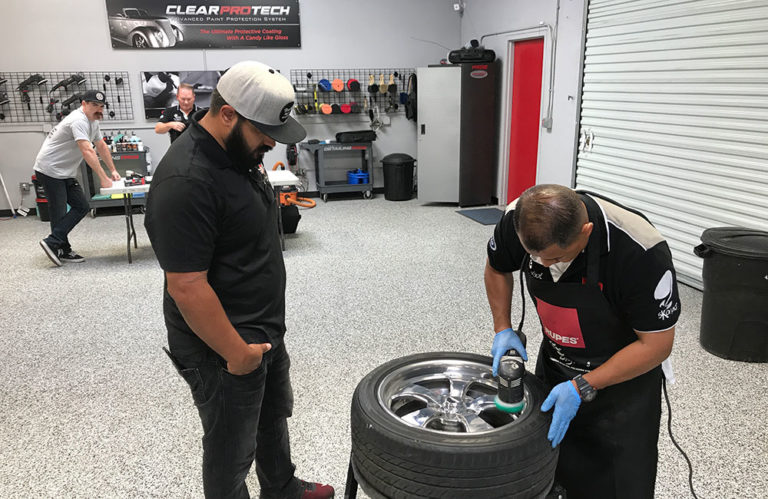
[[674, 116]]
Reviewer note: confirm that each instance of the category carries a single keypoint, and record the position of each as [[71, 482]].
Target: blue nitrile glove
[[503, 341], [566, 400]]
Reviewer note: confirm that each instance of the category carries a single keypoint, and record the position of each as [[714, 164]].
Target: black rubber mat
[[486, 216]]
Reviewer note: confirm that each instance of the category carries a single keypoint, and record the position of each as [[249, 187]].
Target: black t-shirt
[[204, 214], [175, 114], [636, 272]]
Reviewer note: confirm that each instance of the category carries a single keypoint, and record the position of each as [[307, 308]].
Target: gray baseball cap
[[264, 97]]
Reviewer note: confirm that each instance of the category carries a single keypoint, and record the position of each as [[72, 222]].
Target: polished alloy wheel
[[446, 395]]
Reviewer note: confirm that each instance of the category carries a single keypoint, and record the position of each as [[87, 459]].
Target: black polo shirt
[[175, 114], [203, 214], [636, 272]]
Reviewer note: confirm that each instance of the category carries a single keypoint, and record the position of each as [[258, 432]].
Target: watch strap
[[586, 391]]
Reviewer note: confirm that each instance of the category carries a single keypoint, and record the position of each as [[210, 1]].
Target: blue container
[[357, 177]]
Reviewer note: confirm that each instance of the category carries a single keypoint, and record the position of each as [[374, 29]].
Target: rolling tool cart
[[324, 174]]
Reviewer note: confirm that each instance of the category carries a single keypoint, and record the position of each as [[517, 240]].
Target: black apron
[[610, 448]]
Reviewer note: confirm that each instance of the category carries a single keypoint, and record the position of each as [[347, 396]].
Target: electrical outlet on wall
[[24, 186]]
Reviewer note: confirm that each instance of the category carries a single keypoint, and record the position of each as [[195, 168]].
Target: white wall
[[557, 147], [45, 35], [72, 35]]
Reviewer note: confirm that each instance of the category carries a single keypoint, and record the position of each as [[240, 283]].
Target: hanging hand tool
[[24, 87], [49, 107], [35, 78], [75, 78]]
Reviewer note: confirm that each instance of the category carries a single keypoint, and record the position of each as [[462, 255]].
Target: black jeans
[[60, 193], [244, 418]]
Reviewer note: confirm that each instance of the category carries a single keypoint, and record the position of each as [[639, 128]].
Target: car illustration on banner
[[138, 29]]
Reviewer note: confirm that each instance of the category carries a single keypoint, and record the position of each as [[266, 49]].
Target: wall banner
[[149, 24]]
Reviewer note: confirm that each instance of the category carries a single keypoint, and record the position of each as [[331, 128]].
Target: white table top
[[280, 178], [276, 177], [119, 187]]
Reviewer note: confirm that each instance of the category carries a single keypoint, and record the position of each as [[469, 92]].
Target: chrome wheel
[[445, 395], [140, 41]]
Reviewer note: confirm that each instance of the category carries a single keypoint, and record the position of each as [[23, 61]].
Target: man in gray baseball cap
[[212, 219], [67, 144]]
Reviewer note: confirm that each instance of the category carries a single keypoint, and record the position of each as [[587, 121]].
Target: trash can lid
[[737, 241], [397, 158]]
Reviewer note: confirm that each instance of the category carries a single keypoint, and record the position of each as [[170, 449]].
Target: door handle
[[423, 129], [582, 140], [591, 140]]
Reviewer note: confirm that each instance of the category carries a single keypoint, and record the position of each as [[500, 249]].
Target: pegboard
[[310, 95], [42, 102]]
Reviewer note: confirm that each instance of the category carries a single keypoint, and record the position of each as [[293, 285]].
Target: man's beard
[[243, 159]]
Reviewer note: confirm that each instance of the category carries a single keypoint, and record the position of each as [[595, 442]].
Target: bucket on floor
[[357, 177], [290, 217], [734, 309], [42, 210]]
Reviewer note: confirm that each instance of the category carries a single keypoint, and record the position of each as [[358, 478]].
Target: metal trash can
[[398, 176], [734, 310], [41, 199]]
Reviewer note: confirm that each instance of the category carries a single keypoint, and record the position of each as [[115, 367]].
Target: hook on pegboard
[[350, 91]]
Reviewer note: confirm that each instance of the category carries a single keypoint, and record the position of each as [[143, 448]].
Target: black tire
[[400, 461]]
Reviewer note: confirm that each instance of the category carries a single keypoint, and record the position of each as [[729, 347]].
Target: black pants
[[610, 448], [244, 418], [60, 193]]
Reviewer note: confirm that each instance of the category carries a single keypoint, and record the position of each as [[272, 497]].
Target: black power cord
[[669, 427]]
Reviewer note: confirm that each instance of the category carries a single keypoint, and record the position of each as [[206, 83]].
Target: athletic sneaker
[[315, 490], [53, 254], [71, 257], [306, 490]]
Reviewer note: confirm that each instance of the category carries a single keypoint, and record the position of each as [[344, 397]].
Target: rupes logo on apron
[[561, 325]]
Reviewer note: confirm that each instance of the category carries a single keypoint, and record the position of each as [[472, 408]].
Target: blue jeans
[[244, 418], [60, 193]]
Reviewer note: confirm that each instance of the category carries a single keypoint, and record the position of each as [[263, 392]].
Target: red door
[[525, 120]]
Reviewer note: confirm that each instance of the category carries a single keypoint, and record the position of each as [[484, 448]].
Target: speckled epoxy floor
[[92, 408]]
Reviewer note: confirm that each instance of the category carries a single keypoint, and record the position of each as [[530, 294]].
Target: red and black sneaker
[[311, 490]]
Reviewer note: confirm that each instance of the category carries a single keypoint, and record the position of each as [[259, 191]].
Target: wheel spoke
[[458, 387], [421, 393], [475, 423], [479, 404], [419, 418]]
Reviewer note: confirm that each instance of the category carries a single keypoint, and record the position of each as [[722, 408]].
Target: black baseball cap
[[96, 96]]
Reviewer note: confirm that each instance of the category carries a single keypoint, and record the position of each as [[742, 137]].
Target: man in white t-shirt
[[56, 168]]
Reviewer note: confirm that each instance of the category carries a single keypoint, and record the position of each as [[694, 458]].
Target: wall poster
[[149, 24], [160, 87]]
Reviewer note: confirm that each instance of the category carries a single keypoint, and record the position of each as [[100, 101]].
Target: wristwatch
[[587, 391]]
